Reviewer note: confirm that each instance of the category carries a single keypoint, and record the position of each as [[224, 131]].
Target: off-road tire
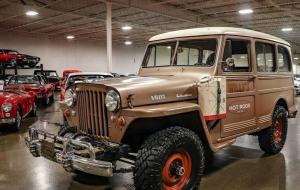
[[16, 126], [156, 151], [268, 141]]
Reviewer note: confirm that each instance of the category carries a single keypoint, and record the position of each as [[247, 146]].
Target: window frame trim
[[250, 54], [289, 58], [275, 55]]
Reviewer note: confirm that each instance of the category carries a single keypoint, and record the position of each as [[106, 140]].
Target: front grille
[[92, 112]]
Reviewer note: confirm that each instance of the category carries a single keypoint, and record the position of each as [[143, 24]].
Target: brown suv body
[[238, 93]]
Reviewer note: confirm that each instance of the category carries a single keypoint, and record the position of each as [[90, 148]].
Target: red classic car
[[9, 57], [64, 78], [36, 83], [51, 76], [15, 105], [12, 57]]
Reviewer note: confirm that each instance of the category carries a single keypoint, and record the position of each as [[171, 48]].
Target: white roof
[[89, 73], [217, 31]]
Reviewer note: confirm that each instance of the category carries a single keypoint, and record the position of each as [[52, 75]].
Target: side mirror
[[228, 64]]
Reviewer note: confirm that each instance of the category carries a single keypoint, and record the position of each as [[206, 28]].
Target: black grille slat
[[92, 113]]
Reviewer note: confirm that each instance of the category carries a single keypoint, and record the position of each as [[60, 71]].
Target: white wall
[[60, 54]]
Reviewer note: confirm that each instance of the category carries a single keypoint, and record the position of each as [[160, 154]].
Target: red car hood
[[7, 96]]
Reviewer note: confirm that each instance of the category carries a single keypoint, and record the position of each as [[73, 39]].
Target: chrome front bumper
[[7, 121], [66, 157]]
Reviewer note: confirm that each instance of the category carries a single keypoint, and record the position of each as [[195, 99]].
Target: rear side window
[[265, 57], [284, 61]]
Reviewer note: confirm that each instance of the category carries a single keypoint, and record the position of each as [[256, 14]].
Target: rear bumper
[[292, 112], [66, 156]]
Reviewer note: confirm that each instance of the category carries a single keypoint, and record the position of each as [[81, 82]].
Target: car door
[[240, 78]]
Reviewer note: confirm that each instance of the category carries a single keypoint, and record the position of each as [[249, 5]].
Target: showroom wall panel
[[60, 54]]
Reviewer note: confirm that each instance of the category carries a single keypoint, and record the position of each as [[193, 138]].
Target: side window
[[265, 57], [239, 52], [284, 61]]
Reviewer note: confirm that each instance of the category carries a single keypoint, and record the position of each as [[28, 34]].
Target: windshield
[[47, 73], [24, 80], [10, 52], [188, 53], [85, 78]]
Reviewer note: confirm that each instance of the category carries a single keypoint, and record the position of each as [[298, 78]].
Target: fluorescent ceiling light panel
[[245, 11], [31, 13]]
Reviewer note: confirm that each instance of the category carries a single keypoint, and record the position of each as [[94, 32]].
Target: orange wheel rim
[[177, 170], [278, 132]]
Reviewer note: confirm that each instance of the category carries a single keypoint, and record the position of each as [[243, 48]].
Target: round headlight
[[70, 97], [6, 107], [112, 100]]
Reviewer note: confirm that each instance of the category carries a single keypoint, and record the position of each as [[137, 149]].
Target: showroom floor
[[242, 166]]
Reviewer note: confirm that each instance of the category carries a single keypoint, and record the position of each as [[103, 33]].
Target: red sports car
[[9, 57], [36, 83], [15, 105]]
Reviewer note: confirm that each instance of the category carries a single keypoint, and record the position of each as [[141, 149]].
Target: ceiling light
[[70, 37], [31, 13], [126, 28], [286, 29], [245, 11], [296, 58], [128, 42]]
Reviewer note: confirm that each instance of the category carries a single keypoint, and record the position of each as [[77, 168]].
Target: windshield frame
[[16, 78], [173, 58]]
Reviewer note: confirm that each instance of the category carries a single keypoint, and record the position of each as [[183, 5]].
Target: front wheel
[[272, 139], [170, 159], [34, 109], [47, 100], [16, 126]]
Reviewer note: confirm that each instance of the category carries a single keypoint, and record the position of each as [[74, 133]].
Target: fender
[[170, 109]]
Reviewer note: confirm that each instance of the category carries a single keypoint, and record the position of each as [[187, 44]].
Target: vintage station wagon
[[197, 91]]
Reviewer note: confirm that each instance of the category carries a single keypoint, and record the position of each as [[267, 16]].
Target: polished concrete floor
[[239, 167]]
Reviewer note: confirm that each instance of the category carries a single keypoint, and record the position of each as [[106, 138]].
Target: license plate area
[[47, 150]]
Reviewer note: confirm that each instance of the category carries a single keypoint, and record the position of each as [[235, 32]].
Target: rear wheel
[[171, 159], [272, 139], [13, 62]]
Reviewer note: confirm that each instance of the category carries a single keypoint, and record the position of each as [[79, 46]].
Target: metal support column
[[108, 36]]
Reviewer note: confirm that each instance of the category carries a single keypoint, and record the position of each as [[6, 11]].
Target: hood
[[155, 89], [25, 87], [7, 97]]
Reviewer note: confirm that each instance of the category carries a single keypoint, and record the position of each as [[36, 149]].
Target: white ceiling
[[86, 18]]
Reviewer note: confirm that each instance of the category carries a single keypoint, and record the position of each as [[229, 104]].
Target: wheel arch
[[21, 108], [281, 102], [141, 128]]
